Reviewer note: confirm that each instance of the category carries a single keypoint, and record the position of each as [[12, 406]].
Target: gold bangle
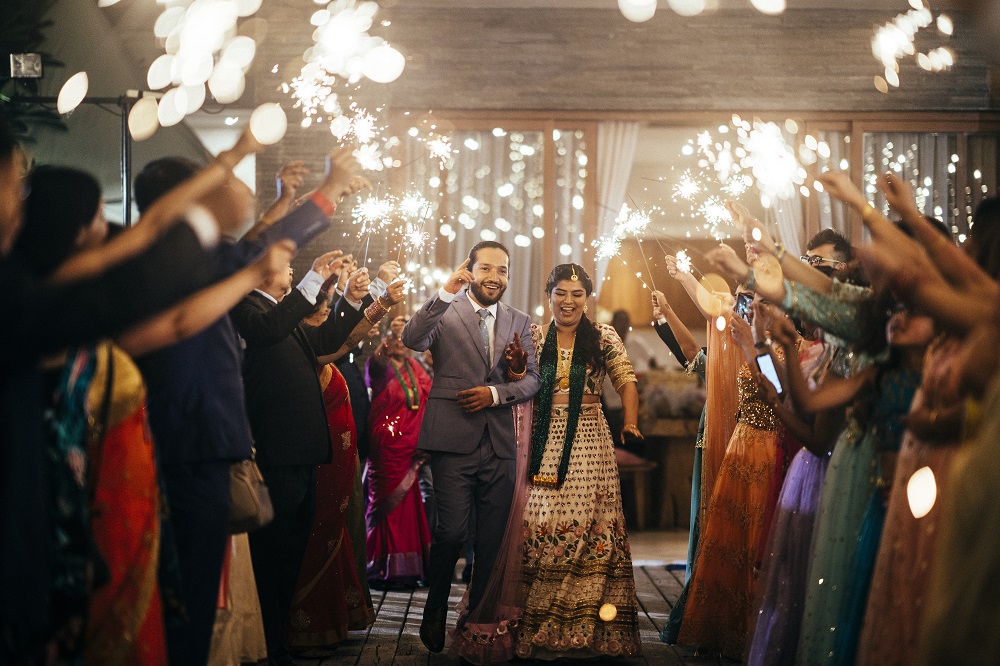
[[514, 376], [375, 312]]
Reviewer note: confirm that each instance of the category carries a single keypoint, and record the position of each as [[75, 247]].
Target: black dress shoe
[[432, 628]]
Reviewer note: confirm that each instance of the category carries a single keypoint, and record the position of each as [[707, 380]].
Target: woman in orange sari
[[125, 618]]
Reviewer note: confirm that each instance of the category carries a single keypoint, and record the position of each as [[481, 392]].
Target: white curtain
[[789, 222], [616, 145]]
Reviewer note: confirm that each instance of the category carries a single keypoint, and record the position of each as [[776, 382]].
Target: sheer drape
[[492, 188], [922, 159], [616, 144], [833, 214]]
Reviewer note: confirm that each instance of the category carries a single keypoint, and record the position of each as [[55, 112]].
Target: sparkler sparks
[[440, 149], [369, 157], [606, 246], [896, 40], [687, 187], [364, 126], [414, 206], [415, 238], [373, 213], [714, 211], [683, 262], [636, 223], [772, 162]]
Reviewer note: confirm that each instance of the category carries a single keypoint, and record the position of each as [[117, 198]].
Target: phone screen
[[766, 366], [743, 301]]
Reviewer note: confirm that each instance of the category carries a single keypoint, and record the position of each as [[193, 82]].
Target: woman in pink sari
[[398, 536]]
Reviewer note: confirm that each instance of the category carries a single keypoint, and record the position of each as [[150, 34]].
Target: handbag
[[250, 502]]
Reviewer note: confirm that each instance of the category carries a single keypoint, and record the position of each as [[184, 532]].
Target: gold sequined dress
[[575, 552], [722, 590]]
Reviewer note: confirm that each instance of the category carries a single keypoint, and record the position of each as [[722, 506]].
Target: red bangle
[[323, 203]]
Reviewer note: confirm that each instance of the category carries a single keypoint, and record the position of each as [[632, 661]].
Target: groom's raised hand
[[474, 399], [459, 278], [517, 358]]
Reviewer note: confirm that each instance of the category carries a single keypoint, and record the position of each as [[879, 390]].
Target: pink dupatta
[[485, 635]]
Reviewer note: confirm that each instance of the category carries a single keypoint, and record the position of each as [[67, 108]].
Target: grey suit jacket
[[451, 332]]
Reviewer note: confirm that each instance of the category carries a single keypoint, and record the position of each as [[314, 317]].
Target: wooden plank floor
[[394, 638]]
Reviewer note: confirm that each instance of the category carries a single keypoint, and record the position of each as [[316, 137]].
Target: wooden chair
[[637, 469]]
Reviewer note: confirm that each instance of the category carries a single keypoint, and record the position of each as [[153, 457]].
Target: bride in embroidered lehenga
[[566, 588]]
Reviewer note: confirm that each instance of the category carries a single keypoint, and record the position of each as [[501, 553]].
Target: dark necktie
[[484, 332]]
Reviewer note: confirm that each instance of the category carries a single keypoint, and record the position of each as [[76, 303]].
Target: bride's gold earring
[[585, 308]]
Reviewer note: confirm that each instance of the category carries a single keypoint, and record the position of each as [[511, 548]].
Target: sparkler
[[606, 246], [373, 213], [415, 238], [687, 187], [440, 149], [896, 40], [683, 261]]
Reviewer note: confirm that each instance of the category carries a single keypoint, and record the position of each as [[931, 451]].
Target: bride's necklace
[[565, 363]]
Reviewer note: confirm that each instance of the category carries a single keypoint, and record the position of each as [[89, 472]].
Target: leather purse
[[250, 502]]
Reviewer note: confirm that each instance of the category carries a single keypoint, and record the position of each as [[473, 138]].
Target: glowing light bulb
[[72, 92], [637, 11], [268, 123], [720, 323], [921, 491], [142, 119]]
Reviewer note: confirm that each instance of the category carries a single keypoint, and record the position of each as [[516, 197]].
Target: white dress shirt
[[491, 324]]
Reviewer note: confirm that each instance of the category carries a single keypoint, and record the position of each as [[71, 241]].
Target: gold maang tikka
[[572, 267]]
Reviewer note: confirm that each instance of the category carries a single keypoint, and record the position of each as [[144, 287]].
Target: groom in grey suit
[[480, 371]]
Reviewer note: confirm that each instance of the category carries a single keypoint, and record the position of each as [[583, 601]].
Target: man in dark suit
[[288, 420], [468, 425], [196, 403]]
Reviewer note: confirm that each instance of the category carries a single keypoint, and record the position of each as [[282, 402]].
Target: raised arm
[[835, 391], [672, 330], [289, 179], [201, 310], [373, 314], [700, 296], [265, 327], [957, 267], [421, 331], [165, 212], [756, 236]]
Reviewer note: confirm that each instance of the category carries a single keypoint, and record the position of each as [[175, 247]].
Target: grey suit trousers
[[479, 481]]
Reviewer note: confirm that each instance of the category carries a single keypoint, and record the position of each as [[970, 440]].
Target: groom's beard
[[482, 298]]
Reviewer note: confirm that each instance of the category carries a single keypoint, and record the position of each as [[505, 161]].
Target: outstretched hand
[[341, 179], [276, 258], [517, 358], [394, 292], [290, 178], [660, 304], [898, 193], [357, 285], [725, 259], [839, 186], [783, 332], [328, 263]]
